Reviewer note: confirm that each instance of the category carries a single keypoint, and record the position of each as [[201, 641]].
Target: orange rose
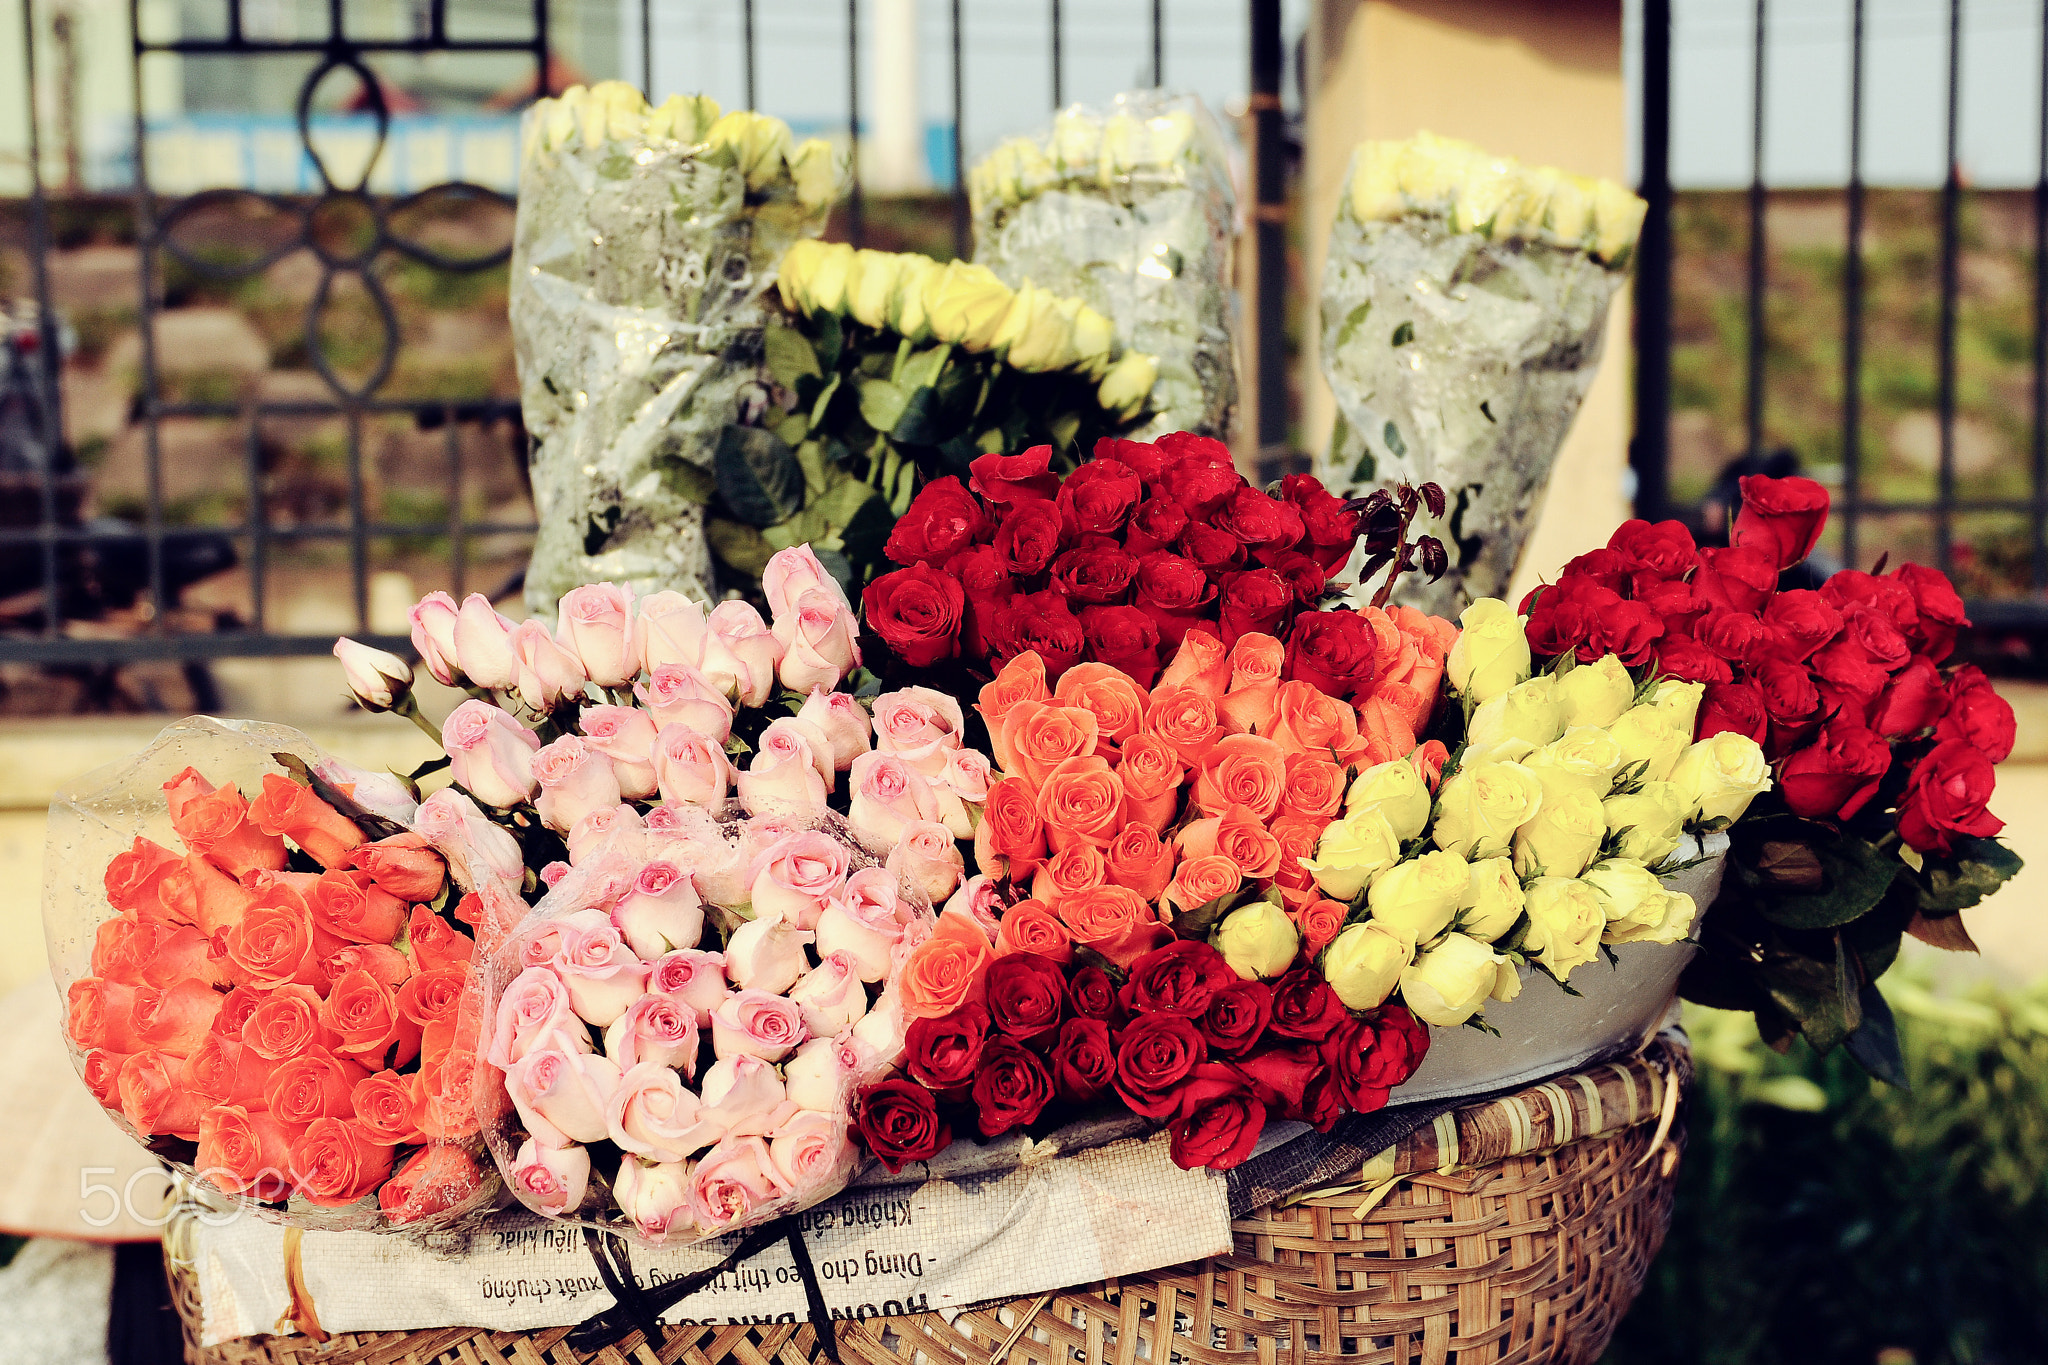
[[1198, 881], [1314, 786], [1411, 667], [187, 785], [947, 970], [286, 808], [1041, 735], [154, 1101], [432, 998], [215, 900], [134, 877], [122, 945], [101, 1014], [432, 941], [448, 1094], [436, 1179], [1238, 835], [226, 1071], [1201, 663], [1308, 721], [1077, 867], [272, 944], [1242, 770], [1254, 680], [388, 1105], [1022, 679], [1032, 927], [1116, 922], [1297, 836], [314, 1084], [1117, 701], [1082, 801], [362, 1014], [1138, 859], [219, 827], [1186, 719], [285, 1023], [1386, 731], [1429, 759], [1151, 771], [1319, 922], [175, 1019], [403, 865], [348, 906], [101, 1072], [338, 1161], [1010, 831], [243, 1150]]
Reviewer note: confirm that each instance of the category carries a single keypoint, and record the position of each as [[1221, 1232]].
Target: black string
[[631, 1306], [814, 1293], [627, 1298]]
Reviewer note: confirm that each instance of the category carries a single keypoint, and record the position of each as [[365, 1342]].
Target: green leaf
[[1875, 1043], [922, 370], [1809, 991], [1352, 322], [1853, 875], [1972, 872], [1404, 334], [1089, 957], [1367, 465], [791, 356], [1196, 923], [829, 339], [617, 166], [867, 533], [687, 480], [793, 428], [823, 401], [740, 547], [881, 403], [923, 422], [758, 475], [1392, 436]]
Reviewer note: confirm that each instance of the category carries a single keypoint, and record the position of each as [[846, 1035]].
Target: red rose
[[1013, 479], [1801, 621], [1737, 638], [1330, 528], [1780, 517], [942, 520], [1938, 611], [1149, 461], [1093, 995], [944, 1052], [1083, 1060], [1790, 701], [917, 613], [1736, 706], [1404, 1042], [1348, 1053], [1029, 536], [1281, 1076], [1609, 568], [1322, 1104], [1212, 549], [1180, 978], [1185, 445], [1890, 596], [1156, 524], [1913, 700], [1202, 485], [1303, 576], [1837, 774], [899, 1121], [1977, 715], [1691, 661], [1153, 1056], [1735, 577], [1847, 678], [1665, 549], [1124, 638], [1236, 1018], [1254, 601], [1217, 1119], [1026, 993], [1334, 652], [1304, 1006], [1628, 630], [1097, 498], [1945, 798], [1881, 640], [1174, 593], [1264, 524], [1011, 1087], [1675, 604], [1039, 621], [1094, 574], [982, 573]]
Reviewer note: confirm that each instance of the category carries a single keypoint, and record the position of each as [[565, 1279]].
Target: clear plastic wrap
[[643, 249], [245, 1016], [637, 1080], [1464, 306], [1129, 208]]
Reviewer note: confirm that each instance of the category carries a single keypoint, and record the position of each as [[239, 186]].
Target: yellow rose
[[1666, 919], [1491, 654], [1650, 736], [1719, 776], [965, 304], [1586, 758], [1527, 715], [1481, 806], [612, 110], [1447, 985], [1629, 892], [1395, 790], [1046, 342], [1596, 693], [1257, 940], [1564, 837], [1094, 337], [1493, 899], [825, 290], [1566, 920], [759, 144], [793, 275], [906, 302], [686, 118], [1126, 387], [1352, 852], [1076, 137], [869, 283], [1679, 700], [1418, 898], [1650, 821], [1507, 981], [1363, 963]]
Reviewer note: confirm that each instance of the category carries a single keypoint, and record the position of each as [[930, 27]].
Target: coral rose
[[1117, 702], [1081, 801], [1031, 926], [1137, 858], [946, 971], [1242, 770], [1115, 921]]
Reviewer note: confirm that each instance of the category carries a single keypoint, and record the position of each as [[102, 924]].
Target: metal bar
[[647, 50], [234, 19], [486, 410], [1269, 228], [961, 229], [2039, 555], [1951, 205], [1058, 63], [1852, 302], [358, 524], [145, 273], [45, 371], [543, 84], [747, 51], [258, 522], [221, 47], [1758, 246], [339, 531], [457, 537], [1650, 451], [221, 645], [1158, 42], [855, 227]]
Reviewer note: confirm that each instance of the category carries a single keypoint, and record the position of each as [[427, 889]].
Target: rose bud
[[811, 1152], [402, 866], [651, 1115], [927, 857], [880, 1033], [562, 1096], [693, 979], [655, 1197], [625, 735], [888, 795], [549, 675], [831, 996], [661, 913], [433, 635], [437, 1178], [866, 922], [766, 955], [1257, 940], [677, 694], [1447, 985], [668, 628], [741, 653], [575, 779], [379, 680], [900, 1123], [602, 974], [786, 775], [490, 754], [1492, 652], [595, 623], [819, 640], [822, 1072], [735, 1183], [1566, 919], [796, 875], [483, 645], [841, 719], [551, 1180], [1363, 964], [744, 1092], [477, 850]]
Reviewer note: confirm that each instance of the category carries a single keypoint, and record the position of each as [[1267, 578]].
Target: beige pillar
[[1536, 79]]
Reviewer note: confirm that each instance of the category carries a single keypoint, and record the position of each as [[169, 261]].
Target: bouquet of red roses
[[1881, 750]]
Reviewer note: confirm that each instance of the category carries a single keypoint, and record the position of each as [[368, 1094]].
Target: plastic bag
[[265, 988], [1129, 208], [644, 242], [601, 1098]]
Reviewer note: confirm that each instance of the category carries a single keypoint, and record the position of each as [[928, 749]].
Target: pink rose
[[665, 822], [979, 899], [791, 573], [595, 623], [483, 645], [551, 875], [548, 674], [433, 635], [831, 996], [819, 640], [823, 1072], [651, 1115], [693, 979], [842, 720], [766, 954], [756, 1024], [575, 780], [661, 913], [880, 1032], [762, 832], [736, 1183], [927, 857], [477, 850], [812, 1153], [691, 769], [887, 795], [655, 1197], [740, 653], [551, 1180], [561, 1095], [490, 755], [919, 726], [534, 1010], [668, 628], [610, 831], [378, 793], [677, 694], [783, 776], [603, 975], [655, 1028], [715, 863], [745, 1092], [796, 875], [967, 775], [625, 735], [865, 922], [794, 734]]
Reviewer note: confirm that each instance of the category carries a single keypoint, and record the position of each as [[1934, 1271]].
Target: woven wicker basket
[[1514, 1231]]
